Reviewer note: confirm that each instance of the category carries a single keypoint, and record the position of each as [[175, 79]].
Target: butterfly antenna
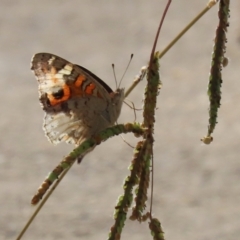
[[131, 57], [114, 74]]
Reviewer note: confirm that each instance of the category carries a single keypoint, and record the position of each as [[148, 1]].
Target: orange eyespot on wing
[[62, 95]]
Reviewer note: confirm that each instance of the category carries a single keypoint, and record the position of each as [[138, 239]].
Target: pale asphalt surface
[[197, 187]]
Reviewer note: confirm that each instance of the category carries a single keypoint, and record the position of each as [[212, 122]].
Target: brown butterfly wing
[[77, 103]]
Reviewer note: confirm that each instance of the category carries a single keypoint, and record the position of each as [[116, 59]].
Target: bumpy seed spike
[[151, 93], [137, 163], [125, 201], [218, 60], [80, 152], [156, 229], [64, 165], [146, 216], [141, 191]]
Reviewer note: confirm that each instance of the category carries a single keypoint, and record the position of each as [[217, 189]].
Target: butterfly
[[77, 103]]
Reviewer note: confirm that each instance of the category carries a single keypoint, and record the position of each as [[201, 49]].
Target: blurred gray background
[[196, 188]]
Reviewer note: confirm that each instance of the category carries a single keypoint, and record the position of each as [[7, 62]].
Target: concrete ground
[[196, 188]]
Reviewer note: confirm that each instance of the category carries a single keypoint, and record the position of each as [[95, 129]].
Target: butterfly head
[[117, 101]]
